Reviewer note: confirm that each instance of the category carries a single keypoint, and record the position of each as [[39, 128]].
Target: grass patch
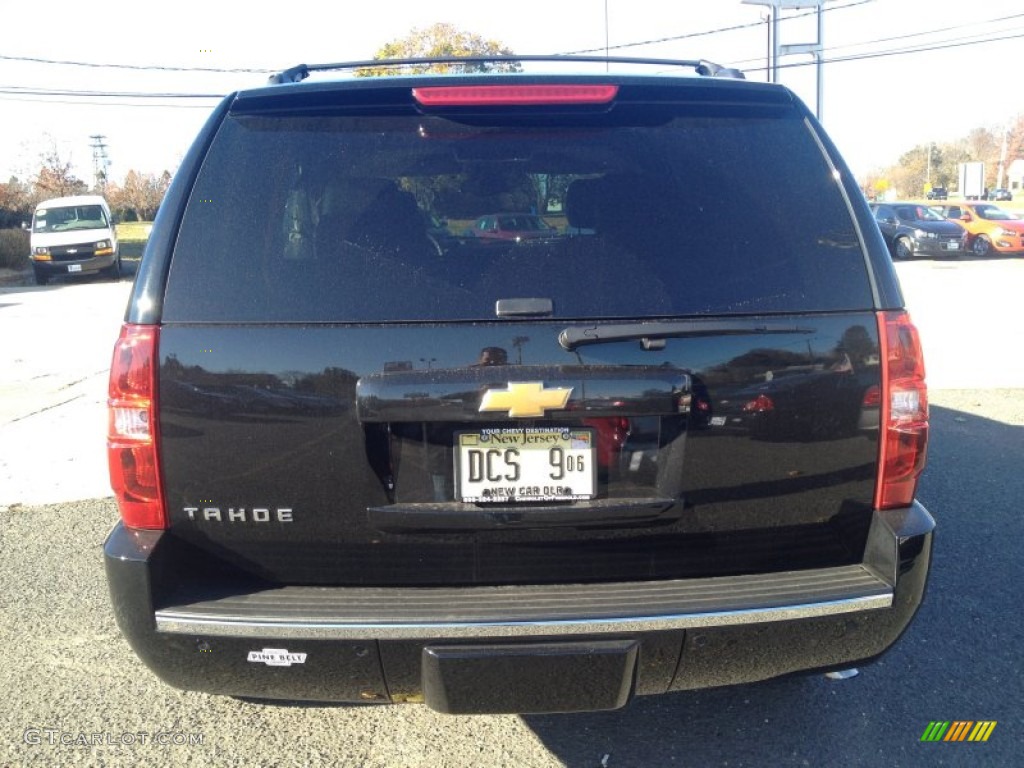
[[133, 231], [132, 237]]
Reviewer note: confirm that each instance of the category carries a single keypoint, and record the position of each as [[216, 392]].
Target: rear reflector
[[132, 429], [904, 411], [504, 95]]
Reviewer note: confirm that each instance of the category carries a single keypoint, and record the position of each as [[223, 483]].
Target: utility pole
[[100, 161], [518, 342]]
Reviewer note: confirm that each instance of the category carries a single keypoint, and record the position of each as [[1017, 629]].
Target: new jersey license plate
[[525, 464]]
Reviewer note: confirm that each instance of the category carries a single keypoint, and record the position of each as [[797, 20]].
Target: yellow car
[[990, 229]]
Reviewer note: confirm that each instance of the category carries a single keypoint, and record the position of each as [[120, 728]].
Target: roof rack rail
[[700, 66]]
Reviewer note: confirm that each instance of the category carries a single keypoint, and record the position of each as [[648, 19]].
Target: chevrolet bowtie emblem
[[525, 398]]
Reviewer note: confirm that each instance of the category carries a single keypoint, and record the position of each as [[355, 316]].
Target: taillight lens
[[904, 411], [132, 428], [760, 404], [505, 95], [872, 397]]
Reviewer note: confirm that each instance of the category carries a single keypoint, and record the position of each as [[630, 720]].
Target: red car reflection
[[512, 227]]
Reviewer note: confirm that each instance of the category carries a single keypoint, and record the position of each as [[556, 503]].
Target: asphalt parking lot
[[76, 694]]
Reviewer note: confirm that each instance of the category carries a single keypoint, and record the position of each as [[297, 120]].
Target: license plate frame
[[486, 473]]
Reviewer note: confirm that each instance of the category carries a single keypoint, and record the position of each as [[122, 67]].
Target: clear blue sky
[[875, 108]]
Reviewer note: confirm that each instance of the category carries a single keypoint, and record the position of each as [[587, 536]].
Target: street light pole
[[606, 47], [776, 9], [815, 49], [1002, 161], [818, 66]]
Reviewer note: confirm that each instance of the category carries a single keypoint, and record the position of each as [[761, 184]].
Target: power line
[[10, 92], [655, 41], [47, 100], [22, 90], [16, 93], [925, 33], [908, 36], [894, 52], [707, 32], [138, 67], [257, 71]]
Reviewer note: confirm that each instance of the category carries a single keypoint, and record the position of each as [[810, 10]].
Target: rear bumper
[[459, 648]]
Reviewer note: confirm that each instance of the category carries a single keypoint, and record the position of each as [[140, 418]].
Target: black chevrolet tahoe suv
[[669, 440]]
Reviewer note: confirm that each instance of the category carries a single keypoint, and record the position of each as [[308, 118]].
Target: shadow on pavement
[[960, 659]]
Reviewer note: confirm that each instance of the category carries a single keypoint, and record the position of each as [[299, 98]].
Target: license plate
[[525, 464], [953, 245], [74, 267]]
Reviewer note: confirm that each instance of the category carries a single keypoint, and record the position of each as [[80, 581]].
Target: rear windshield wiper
[[653, 334]]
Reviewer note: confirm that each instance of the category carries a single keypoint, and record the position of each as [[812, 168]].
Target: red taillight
[[872, 397], [132, 429], [904, 411], [504, 95], [760, 404]]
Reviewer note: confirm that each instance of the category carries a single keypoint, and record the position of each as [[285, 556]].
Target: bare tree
[[15, 202], [55, 177], [141, 193]]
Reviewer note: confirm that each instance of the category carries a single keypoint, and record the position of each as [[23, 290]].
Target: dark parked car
[[814, 401], [358, 460], [911, 229], [937, 193], [1000, 194]]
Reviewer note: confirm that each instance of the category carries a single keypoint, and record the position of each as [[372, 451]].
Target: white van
[[74, 235]]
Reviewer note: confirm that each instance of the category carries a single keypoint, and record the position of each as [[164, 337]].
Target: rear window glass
[[418, 218]]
